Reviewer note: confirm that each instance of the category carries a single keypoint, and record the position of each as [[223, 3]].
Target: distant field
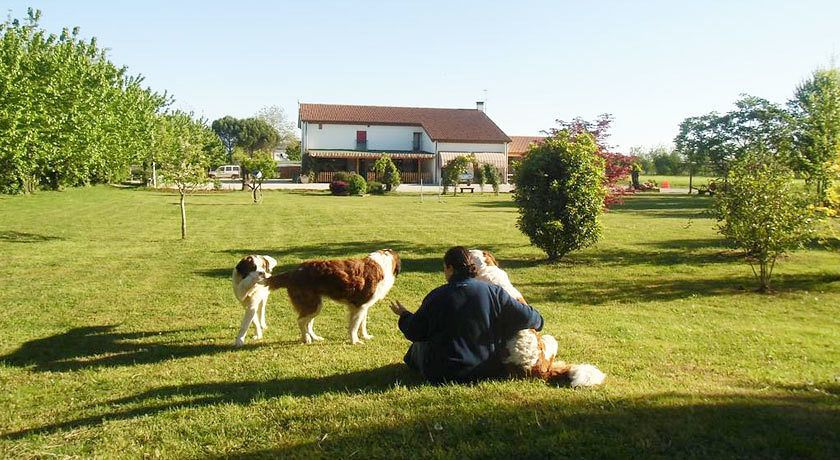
[[116, 336], [675, 181]]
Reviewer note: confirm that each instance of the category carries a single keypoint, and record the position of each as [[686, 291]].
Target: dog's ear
[[271, 262], [246, 266], [397, 263], [489, 259]]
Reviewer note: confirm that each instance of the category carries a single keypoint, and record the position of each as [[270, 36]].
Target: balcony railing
[[361, 145]]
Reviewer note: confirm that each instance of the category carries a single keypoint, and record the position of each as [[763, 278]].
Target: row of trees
[[804, 134], [69, 116]]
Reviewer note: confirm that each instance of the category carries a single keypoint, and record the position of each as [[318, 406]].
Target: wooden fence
[[405, 177]]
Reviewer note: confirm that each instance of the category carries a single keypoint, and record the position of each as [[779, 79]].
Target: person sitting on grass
[[460, 327]]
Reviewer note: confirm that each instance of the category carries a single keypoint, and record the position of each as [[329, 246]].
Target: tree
[[453, 170], [492, 176], [257, 134], [293, 150], [762, 212], [560, 193], [616, 166], [478, 176], [276, 117], [228, 129], [259, 167], [816, 111], [182, 146], [697, 142], [68, 116], [388, 171]]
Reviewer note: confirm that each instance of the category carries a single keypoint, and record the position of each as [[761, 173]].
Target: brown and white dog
[[358, 283], [529, 353], [489, 271], [248, 278]]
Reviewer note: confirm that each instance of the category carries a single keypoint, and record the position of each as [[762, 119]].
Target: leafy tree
[[762, 212], [478, 176], [228, 129], [560, 193], [388, 171], [293, 150], [816, 110], [492, 175], [616, 166], [181, 146], [698, 142], [275, 116], [68, 116], [259, 167], [256, 134], [453, 170]]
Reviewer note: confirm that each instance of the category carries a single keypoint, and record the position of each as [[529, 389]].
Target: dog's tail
[[576, 375], [279, 280]]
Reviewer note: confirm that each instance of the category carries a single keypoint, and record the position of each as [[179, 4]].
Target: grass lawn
[[676, 181], [116, 336]]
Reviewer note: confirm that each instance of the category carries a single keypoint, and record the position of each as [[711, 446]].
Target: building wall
[[470, 147], [379, 137]]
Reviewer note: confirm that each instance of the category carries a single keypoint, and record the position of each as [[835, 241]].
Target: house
[[420, 140], [519, 146]]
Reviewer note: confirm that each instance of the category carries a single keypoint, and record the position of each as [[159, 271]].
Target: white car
[[226, 172]]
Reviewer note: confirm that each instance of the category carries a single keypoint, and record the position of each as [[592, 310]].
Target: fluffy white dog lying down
[[248, 280], [529, 353]]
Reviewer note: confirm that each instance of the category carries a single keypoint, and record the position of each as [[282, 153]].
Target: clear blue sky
[[650, 64]]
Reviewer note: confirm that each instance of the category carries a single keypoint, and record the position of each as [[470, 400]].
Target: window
[[415, 145], [320, 126], [361, 140]]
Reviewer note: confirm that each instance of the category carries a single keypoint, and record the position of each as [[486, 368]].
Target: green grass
[[117, 335], [676, 181]]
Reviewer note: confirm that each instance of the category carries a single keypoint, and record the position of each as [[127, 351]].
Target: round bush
[[376, 188], [357, 185], [341, 176]]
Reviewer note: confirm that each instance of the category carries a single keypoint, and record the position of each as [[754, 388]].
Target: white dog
[[248, 279], [530, 353]]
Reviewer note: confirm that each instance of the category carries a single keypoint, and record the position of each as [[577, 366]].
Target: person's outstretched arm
[[414, 326]]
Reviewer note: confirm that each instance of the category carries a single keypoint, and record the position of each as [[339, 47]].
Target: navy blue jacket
[[463, 323]]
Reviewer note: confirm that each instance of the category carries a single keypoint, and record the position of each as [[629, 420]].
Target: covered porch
[[414, 166], [497, 159]]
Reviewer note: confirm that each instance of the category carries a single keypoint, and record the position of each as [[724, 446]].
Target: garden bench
[[471, 189]]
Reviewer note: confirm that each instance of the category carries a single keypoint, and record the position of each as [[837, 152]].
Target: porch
[[413, 166]]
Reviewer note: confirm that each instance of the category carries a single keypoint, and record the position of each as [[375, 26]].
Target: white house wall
[[379, 137], [462, 147]]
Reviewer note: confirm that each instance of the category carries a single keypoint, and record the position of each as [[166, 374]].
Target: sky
[[648, 63]]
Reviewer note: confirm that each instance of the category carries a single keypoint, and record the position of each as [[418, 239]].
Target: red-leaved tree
[[617, 167]]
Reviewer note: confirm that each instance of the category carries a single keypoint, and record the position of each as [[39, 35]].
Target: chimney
[[479, 105]]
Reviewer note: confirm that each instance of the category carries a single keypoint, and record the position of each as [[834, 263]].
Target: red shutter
[[361, 136]]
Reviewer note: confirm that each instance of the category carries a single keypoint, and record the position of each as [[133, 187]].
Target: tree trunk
[[690, 177], [183, 214]]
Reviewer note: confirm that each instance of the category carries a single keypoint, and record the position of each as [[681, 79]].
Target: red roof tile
[[445, 125], [519, 145]]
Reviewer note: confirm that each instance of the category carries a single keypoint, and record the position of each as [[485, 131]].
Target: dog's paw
[[367, 337], [239, 342], [356, 342], [257, 337], [306, 339], [317, 337]]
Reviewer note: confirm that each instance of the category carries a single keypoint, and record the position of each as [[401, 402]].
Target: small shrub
[[492, 176], [357, 185], [762, 212], [376, 188], [560, 193], [217, 184], [342, 176], [339, 188], [389, 172]]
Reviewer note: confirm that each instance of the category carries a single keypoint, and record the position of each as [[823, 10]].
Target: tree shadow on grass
[[716, 427], [651, 290], [100, 346], [9, 236], [377, 380], [665, 206]]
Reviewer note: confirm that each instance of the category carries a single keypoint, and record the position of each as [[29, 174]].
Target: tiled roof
[[444, 125], [519, 145]]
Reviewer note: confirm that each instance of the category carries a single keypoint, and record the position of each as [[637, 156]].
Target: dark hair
[[461, 261]]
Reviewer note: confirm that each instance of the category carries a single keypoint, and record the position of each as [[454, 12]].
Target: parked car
[[226, 172]]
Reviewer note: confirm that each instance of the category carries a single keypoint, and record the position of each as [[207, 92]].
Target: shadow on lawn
[[670, 205], [101, 346], [376, 380], [651, 290], [718, 427], [791, 425], [9, 236]]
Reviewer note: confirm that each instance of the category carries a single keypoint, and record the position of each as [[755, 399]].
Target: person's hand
[[397, 307]]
